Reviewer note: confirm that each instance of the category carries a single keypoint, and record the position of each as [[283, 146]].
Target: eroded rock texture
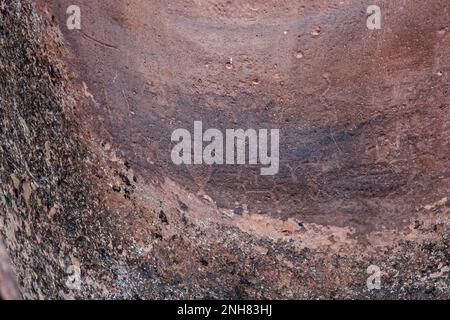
[[9, 288], [86, 181]]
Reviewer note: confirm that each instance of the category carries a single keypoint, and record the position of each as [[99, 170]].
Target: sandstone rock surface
[[92, 207]]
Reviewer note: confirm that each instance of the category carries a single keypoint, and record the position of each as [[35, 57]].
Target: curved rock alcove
[[93, 207]]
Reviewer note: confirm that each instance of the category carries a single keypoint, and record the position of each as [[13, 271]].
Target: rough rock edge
[[9, 289]]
